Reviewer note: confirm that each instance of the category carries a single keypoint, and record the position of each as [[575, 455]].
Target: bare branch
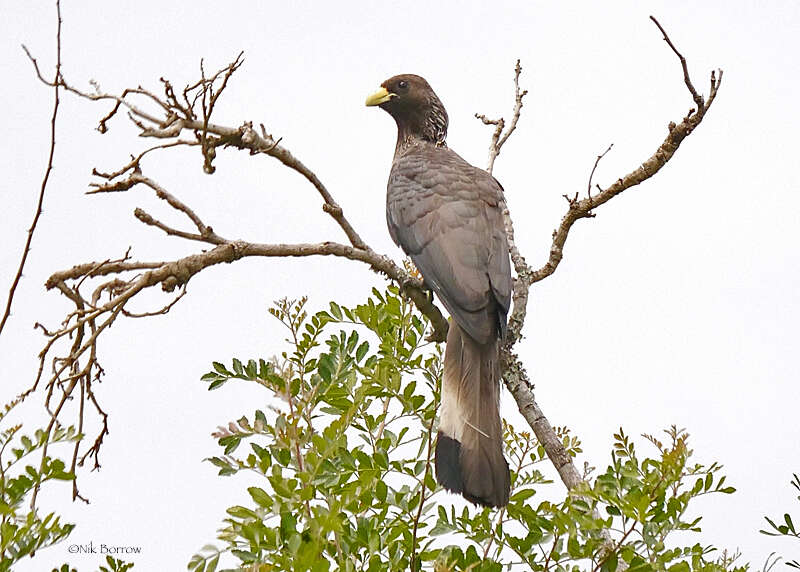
[[676, 134], [594, 168], [148, 219], [514, 374], [160, 312], [178, 118], [134, 165], [205, 231], [27, 248], [209, 98], [494, 146], [698, 99], [93, 269], [518, 95], [499, 137], [68, 372]]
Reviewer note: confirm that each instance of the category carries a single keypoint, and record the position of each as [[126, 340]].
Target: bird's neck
[[407, 138], [419, 129], [406, 142]]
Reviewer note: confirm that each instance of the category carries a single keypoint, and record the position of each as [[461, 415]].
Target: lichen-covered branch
[[515, 375]]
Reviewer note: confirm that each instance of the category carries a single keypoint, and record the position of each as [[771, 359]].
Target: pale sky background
[[677, 304]]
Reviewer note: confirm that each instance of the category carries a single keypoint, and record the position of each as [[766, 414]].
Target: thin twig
[[76, 449], [698, 99], [594, 168], [499, 137], [609, 552], [48, 170], [244, 137], [550, 553], [676, 134], [175, 203], [423, 486], [148, 219], [134, 165], [518, 95], [163, 310]]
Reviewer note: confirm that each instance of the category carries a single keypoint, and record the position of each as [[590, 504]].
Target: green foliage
[[115, 565], [339, 425], [22, 530], [638, 503], [341, 457], [787, 527]]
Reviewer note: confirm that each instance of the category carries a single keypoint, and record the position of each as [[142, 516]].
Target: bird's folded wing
[[448, 220]]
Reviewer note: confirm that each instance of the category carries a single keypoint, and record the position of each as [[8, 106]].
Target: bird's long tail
[[469, 447]]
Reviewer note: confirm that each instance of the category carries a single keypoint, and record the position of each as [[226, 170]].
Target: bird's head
[[415, 107]]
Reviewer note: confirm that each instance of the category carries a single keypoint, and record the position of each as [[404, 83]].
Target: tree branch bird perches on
[[447, 216]]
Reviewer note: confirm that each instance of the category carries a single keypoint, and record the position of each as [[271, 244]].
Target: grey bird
[[447, 217]]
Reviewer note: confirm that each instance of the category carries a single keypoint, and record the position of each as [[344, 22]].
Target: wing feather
[[447, 216]]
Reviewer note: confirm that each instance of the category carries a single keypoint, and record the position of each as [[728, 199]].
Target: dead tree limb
[[676, 133], [515, 375], [115, 283]]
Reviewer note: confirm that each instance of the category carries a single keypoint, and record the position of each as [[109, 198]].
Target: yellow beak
[[380, 96]]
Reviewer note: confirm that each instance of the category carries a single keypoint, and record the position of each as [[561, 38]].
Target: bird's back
[[447, 216]]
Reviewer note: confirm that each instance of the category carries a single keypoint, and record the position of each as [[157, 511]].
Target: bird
[[447, 216]]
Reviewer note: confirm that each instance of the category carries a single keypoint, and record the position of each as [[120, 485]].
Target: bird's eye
[[402, 84]]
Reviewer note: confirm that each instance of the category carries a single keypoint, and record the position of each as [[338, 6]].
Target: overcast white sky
[[677, 304]]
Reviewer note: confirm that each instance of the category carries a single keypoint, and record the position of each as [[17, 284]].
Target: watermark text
[[92, 547]]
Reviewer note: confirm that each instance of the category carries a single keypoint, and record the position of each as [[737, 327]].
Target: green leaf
[[260, 496], [362, 351], [522, 495], [238, 369]]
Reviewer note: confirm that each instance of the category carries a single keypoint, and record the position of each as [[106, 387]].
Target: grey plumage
[[447, 216]]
